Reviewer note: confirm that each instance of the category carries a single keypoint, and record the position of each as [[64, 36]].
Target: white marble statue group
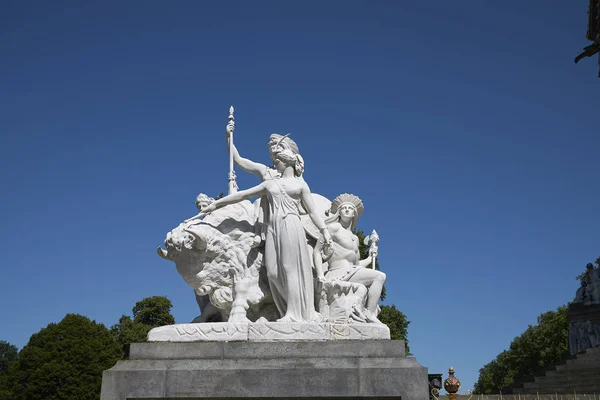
[[291, 256]]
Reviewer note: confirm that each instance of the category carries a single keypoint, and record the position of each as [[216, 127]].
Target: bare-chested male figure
[[343, 257]]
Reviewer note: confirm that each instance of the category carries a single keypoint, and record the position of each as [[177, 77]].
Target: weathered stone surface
[[134, 379], [337, 349], [584, 327], [175, 351], [348, 369], [267, 331]]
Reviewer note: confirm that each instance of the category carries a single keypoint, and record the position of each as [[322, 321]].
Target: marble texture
[[268, 331], [287, 259], [350, 287], [257, 260]]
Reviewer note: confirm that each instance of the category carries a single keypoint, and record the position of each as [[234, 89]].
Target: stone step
[[583, 372], [594, 365], [562, 391], [563, 380], [586, 359], [590, 387], [567, 378], [581, 386], [593, 350], [583, 358], [583, 378]]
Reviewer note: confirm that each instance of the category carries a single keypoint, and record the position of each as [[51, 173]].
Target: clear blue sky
[[465, 127]]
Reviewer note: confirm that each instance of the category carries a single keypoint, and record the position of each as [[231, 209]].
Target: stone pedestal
[[584, 327], [357, 369]]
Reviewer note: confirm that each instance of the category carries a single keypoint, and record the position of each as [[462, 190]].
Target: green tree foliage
[[154, 311], [126, 331], [537, 349], [148, 313], [8, 355], [64, 361], [397, 322]]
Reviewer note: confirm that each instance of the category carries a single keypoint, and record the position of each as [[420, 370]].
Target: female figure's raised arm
[[248, 165]]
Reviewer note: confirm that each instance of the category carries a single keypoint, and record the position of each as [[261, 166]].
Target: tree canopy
[[397, 322], [8, 355], [66, 360], [148, 313], [63, 361], [153, 311], [538, 348]]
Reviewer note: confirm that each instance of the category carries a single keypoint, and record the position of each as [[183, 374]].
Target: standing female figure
[[287, 257]]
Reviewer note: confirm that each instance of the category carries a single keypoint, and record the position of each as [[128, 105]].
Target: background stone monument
[[584, 313], [287, 308]]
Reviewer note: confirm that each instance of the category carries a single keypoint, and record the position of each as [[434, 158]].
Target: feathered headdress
[[351, 199]]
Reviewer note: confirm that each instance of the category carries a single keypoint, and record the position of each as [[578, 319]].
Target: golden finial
[[452, 384]]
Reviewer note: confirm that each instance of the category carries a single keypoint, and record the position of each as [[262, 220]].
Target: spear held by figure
[[372, 239], [232, 186]]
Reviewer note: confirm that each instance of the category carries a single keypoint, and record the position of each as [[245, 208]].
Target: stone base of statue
[[275, 370], [267, 331], [584, 327]]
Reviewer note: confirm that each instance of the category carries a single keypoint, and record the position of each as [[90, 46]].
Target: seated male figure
[[343, 256]]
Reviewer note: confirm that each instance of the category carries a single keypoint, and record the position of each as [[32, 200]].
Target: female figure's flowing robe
[[287, 257]]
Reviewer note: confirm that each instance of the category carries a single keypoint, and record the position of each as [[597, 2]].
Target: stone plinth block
[[579, 312], [267, 331], [207, 370], [584, 327]]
